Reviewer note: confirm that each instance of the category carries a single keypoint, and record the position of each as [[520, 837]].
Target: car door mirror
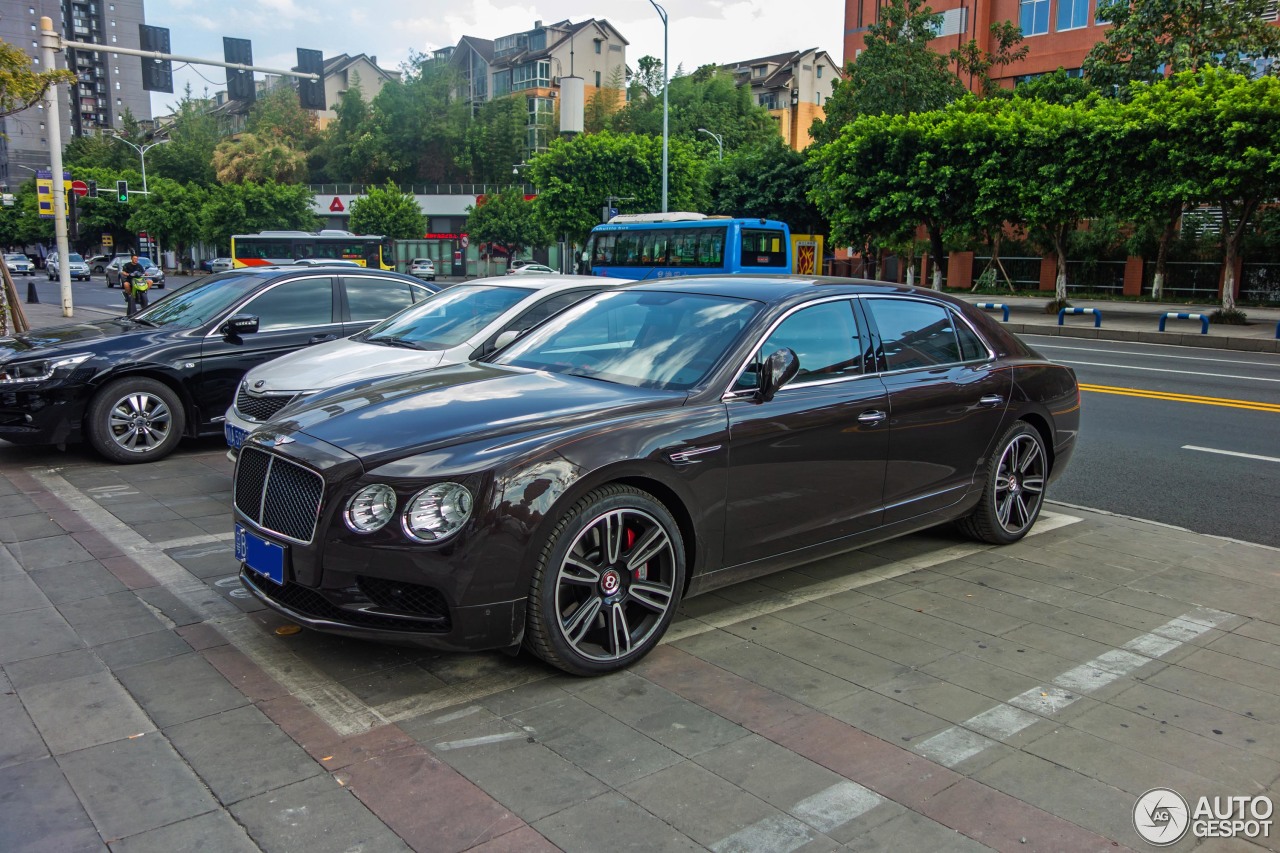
[[240, 324], [778, 369]]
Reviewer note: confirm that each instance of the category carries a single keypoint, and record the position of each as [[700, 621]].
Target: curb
[[1171, 338]]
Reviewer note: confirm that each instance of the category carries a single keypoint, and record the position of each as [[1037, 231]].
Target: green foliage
[[647, 79], [507, 220], [769, 181], [416, 129], [897, 73], [104, 214], [97, 151], [252, 207], [21, 86], [708, 98], [278, 115], [494, 142], [1149, 38], [193, 135], [1055, 88], [172, 212], [249, 157], [977, 62], [388, 212], [575, 176]]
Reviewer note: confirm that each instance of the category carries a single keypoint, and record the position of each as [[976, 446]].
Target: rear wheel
[[607, 584], [1016, 476], [136, 419]]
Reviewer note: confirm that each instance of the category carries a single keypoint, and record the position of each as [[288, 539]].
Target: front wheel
[[1016, 477], [607, 583], [136, 419]]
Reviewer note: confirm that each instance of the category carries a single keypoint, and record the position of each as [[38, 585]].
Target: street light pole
[[142, 154], [665, 135], [717, 137], [49, 44]]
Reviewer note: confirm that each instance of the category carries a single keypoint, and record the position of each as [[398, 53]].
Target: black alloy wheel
[[1016, 476], [607, 584]]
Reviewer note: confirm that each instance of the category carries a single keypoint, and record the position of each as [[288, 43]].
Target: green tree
[[105, 214], [604, 103], [21, 86], [172, 213], [334, 157], [389, 212], [252, 207], [495, 140], [193, 136], [278, 115], [417, 128], [976, 62], [574, 177], [507, 220], [647, 78], [248, 157], [707, 98], [768, 180], [897, 72], [1148, 39], [97, 151]]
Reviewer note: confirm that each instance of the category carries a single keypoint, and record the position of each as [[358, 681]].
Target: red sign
[[439, 235], [336, 206], [464, 241], [80, 188]]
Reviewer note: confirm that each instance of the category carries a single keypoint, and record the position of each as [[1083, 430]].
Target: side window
[[375, 298], [915, 334], [544, 309], [971, 346], [294, 304], [825, 339]]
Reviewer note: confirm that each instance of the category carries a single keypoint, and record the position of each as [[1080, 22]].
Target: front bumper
[[42, 416]]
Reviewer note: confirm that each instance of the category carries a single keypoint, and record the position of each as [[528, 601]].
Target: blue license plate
[[265, 558], [235, 436]]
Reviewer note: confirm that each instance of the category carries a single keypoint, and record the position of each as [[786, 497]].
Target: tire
[[135, 419], [574, 621], [1016, 477]]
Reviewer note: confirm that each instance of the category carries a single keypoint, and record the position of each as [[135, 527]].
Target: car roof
[[775, 288], [550, 282], [280, 270]]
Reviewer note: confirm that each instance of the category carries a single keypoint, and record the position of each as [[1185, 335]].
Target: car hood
[[405, 415], [73, 337], [337, 363]]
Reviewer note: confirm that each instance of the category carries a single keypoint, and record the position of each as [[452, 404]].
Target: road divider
[[1097, 315], [994, 306], [1182, 315], [1252, 405]]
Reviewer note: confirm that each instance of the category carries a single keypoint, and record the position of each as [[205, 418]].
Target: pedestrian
[[135, 285]]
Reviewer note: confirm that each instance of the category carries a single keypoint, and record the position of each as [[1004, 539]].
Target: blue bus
[[659, 245]]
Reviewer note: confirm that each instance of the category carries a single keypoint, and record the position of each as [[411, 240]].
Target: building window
[[1072, 14], [1034, 17], [113, 38], [117, 85], [598, 43], [759, 70], [769, 100], [597, 79], [818, 71]]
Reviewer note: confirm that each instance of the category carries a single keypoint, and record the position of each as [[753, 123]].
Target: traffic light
[[157, 74], [239, 83], [93, 189], [122, 191], [311, 92]]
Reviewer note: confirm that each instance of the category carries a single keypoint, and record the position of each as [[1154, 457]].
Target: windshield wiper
[[393, 341], [142, 322]]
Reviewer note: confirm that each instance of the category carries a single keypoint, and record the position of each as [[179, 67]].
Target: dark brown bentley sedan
[[648, 444]]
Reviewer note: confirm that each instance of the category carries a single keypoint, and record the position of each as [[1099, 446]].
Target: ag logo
[[1161, 816]]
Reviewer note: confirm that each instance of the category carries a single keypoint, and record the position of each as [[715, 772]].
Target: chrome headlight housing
[[436, 513], [370, 508], [40, 370]]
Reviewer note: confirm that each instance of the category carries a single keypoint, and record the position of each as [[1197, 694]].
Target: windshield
[[647, 339], [447, 318], [73, 258], [200, 302], [15, 257]]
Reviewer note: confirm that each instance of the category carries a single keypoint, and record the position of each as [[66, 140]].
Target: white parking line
[[836, 806], [483, 740], [1231, 453], [960, 742], [774, 834]]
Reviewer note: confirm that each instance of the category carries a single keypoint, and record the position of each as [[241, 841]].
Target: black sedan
[[646, 445], [133, 386]]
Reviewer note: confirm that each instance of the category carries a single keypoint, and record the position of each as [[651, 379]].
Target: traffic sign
[[80, 188], [464, 241], [336, 206], [108, 240]]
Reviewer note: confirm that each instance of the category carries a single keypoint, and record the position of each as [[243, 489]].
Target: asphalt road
[[1180, 435], [88, 294]]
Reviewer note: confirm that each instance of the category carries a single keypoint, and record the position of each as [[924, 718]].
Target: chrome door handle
[[871, 417], [990, 400]]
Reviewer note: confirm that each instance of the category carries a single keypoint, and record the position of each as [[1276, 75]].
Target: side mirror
[[240, 324], [778, 369]]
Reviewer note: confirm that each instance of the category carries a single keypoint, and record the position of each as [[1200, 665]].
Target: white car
[[532, 269], [423, 268], [18, 263], [325, 262], [455, 325], [75, 265], [221, 264]]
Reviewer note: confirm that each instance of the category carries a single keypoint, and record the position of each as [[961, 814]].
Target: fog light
[[370, 508], [437, 512]]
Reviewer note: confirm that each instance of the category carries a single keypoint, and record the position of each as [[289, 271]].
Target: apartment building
[[107, 84], [792, 86], [530, 64]]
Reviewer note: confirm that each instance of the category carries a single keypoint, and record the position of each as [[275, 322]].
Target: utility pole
[[50, 44]]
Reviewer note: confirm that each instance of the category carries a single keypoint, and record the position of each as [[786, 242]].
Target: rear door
[[368, 299]]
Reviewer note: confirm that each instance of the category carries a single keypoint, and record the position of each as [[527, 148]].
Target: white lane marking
[[781, 600], [1167, 370], [1140, 344], [1231, 453], [960, 742], [339, 708], [1092, 351], [483, 740], [836, 806], [774, 834]]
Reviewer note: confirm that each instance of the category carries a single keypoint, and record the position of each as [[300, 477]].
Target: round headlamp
[[437, 512], [370, 508]]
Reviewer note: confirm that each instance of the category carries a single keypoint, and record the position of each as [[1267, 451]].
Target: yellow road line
[[1182, 398]]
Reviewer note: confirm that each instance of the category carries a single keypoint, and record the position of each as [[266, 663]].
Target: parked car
[[18, 263], [76, 266], [464, 322], [423, 268], [221, 265], [134, 386], [532, 269], [98, 263], [153, 273], [651, 443], [326, 262]]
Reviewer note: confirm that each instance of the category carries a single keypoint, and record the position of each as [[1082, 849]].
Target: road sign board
[[464, 241], [80, 188], [336, 205], [108, 240]]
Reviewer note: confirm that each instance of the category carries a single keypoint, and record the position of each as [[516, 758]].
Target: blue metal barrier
[[1278, 331], [994, 306], [1177, 315], [1097, 315]]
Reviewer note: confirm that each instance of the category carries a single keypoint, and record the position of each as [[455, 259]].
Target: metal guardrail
[[1097, 315], [1182, 315], [994, 306]]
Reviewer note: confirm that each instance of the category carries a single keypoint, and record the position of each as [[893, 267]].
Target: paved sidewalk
[[924, 694]]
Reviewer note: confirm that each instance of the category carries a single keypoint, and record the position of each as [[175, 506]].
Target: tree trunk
[[1162, 249], [1231, 245], [1059, 249], [936, 256], [911, 264]]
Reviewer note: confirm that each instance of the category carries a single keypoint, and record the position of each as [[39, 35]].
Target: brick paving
[[923, 694]]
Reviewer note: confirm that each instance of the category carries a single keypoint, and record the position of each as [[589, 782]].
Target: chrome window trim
[[288, 280], [956, 315]]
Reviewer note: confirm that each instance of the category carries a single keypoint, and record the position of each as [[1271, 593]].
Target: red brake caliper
[[631, 541]]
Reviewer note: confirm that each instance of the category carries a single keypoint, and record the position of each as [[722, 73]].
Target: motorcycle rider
[[134, 285]]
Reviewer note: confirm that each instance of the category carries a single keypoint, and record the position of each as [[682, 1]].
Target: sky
[[701, 31]]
